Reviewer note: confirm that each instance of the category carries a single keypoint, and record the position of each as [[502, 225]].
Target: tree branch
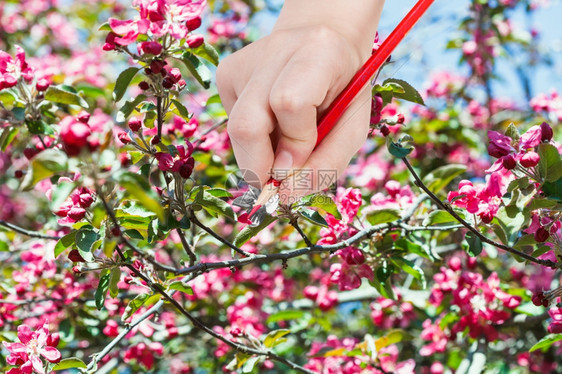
[[187, 247], [31, 234], [475, 231]]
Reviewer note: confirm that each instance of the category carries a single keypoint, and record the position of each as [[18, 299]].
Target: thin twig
[[196, 322], [307, 241], [187, 247], [218, 237], [475, 231], [31, 234], [99, 356]]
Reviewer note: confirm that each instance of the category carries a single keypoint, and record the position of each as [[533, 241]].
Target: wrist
[[355, 20]]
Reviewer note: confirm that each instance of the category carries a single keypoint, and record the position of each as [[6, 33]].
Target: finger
[[295, 96], [225, 84], [249, 127], [329, 160]]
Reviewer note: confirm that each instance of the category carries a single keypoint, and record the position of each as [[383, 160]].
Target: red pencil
[[340, 104], [338, 107]]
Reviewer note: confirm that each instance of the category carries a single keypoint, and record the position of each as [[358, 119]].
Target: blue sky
[[423, 50]]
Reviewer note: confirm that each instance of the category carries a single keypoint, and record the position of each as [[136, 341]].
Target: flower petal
[[51, 354]]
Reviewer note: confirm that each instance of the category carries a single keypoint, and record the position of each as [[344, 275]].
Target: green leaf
[[44, 165], [104, 27], [274, 338], [553, 190], [442, 176], [134, 234], [70, 363], [114, 278], [513, 133], [39, 127], [59, 95], [251, 363], [7, 98], [411, 268], [128, 108], [179, 286], [249, 232], [409, 94], [123, 81], [65, 242], [101, 291], [474, 244], [550, 165], [134, 305], [322, 201], [199, 71], [538, 203], [182, 110], [212, 204], [8, 135], [397, 149], [546, 342], [385, 215], [313, 217], [139, 188], [286, 315], [219, 192], [439, 217], [208, 52], [85, 239]]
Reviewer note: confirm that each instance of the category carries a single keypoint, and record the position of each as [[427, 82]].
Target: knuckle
[[224, 71], [242, 128], [287, 100]]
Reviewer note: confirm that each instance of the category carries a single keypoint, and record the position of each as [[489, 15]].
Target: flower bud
[[167, 83], [75, 256], [555, 328], [155, 140], [76, 213], [193, 23], [181, 84], [509, 162], [546, 132], [175, 75], [42, 85], [115, 231], [541, 235], [153, 48], [124, 138], [400, 119], [186, 170], [384, 130], [156, 66], [135, 124], [18, 174], [530, 159], [83, 116], [195, 41], [144, 85], [311, 292], [85, 200]]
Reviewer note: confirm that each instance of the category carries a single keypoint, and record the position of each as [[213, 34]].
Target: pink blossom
[[144, 354], [33, 346], [436, 336], [349, 277]]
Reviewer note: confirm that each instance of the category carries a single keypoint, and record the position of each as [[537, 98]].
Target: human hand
[[276, 89]]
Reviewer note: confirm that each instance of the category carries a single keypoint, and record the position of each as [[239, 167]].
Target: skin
[[276, 88]]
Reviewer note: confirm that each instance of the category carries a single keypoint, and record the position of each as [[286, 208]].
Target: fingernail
[[282, 165]]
